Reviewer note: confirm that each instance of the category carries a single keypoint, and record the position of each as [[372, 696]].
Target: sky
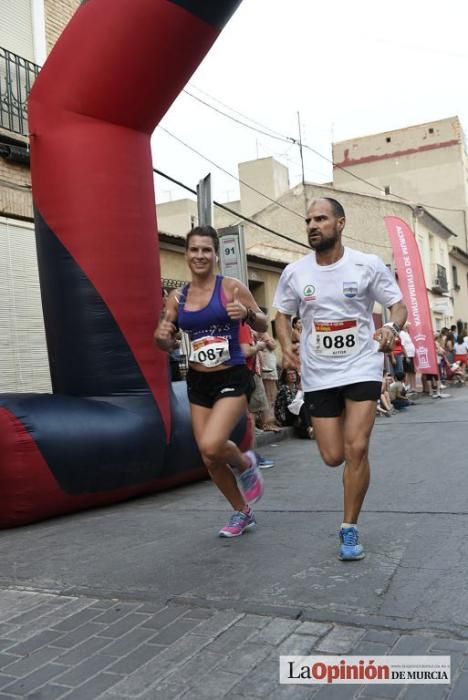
[[348, 69]]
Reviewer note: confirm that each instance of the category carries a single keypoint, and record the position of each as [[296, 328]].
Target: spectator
[[251, 347], [439, 341], [408, 360], [397, 356], [397, 392], [290, 391], [296, 332], [384, 404], [431, 382], [449, 347], [269, 374], [461, 351]]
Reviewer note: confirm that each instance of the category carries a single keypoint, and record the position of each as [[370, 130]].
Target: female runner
[[210, 310]]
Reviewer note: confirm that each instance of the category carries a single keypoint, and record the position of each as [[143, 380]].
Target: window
[[23, 356], [387, 189], [22, 28], [388, 139], [431, 130], [455, 277]]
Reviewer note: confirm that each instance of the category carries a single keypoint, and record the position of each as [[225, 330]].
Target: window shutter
[[24, 365], [16, 28]]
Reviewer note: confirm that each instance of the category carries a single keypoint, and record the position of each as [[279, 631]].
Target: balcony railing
[[16, 78], [440, 283]]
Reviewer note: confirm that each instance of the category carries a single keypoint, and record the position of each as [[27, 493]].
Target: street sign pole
[[232, 257], [205, 202]]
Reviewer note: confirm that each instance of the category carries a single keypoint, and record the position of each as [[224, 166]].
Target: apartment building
[[425, 164]]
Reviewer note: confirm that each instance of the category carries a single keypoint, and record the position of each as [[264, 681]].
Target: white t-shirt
[[460, 348], [335, 304], [408, 344]]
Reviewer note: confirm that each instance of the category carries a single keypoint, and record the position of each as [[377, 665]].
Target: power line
[[281, 137], [240, 114], [256, 223], [216, 165], [232, 211], [289, 139], [285, 139]]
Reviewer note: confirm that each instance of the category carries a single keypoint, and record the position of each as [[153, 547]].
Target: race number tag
[[210, 350], [336, 338]]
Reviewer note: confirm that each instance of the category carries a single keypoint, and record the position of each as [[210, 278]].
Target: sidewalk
[[142, 600]]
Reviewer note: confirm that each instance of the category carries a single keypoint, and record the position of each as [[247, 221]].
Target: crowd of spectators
[[399, 385], [277, 400]]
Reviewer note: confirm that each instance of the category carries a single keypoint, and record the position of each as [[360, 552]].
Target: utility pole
[[301, 152]]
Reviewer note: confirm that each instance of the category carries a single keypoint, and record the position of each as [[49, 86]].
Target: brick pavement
[[80, 648]]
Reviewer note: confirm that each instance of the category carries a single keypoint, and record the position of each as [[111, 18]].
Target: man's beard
[[323, 244]]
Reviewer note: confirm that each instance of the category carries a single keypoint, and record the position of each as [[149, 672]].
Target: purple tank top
[[212, 320]]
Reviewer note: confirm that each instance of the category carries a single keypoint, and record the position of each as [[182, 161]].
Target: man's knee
[[332, 458], [357, 450]]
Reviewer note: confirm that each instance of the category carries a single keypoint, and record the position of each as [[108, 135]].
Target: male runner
[[333, 290]]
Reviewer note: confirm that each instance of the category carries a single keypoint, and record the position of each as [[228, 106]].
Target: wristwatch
[[394, 326]]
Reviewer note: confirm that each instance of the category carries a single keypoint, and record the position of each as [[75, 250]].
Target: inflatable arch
[[114, 426]]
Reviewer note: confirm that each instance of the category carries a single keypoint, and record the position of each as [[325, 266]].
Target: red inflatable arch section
[[114, 426]]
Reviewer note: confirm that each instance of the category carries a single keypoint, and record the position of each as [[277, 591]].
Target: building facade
[[424, 164], [28, 30], [365, 230]]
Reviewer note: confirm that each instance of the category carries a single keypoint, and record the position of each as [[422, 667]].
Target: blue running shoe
[[264, 462], [350, 549]]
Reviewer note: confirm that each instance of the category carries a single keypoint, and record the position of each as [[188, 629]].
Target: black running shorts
[[330, 403], [205, 388]]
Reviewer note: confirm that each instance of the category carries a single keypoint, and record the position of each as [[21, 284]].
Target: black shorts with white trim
[[205, 388]]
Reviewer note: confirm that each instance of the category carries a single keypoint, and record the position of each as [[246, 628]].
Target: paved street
[[142, 600]]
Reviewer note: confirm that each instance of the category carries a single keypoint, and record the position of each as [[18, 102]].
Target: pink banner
[[413, 287]]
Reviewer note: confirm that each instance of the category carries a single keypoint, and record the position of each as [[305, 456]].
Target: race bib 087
[[210, 350], [335, 338]]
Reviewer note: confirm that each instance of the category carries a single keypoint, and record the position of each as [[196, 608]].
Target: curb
[[269, 438]]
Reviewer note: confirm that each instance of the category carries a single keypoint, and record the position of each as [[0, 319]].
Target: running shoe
[[251, 479], [264, 462], [350, 549], [238, 523]]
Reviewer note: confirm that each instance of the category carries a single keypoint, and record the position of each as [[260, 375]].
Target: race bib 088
[[210, 350], [336, 338]]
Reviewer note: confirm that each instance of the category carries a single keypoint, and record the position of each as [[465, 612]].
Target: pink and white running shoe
[[251, 480], [238, 523]]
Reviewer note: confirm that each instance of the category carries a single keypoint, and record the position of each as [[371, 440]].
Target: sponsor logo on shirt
[[350, 289], [309, 292]]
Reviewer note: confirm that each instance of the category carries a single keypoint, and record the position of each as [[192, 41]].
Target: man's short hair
[[335, 205], [208, 231], [337, 208]]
